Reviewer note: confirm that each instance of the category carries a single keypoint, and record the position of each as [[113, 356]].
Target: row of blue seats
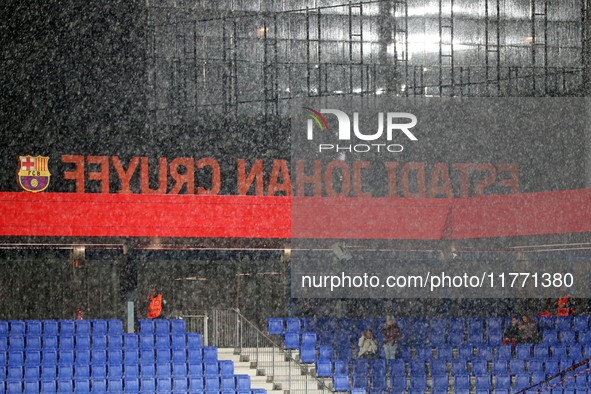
[[33, 357], [277, 326], [80, 341], [120, 385], [459, 382], [479, 391], [294, 340], [87, 327], [69, 371], [439, 367], [309, 354]]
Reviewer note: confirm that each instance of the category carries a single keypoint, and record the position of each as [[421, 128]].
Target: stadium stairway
[[274, 370]]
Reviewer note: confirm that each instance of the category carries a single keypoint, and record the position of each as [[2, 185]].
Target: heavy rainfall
[[241, 197]]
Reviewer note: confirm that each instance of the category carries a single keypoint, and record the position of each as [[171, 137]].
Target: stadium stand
[[95, 356]]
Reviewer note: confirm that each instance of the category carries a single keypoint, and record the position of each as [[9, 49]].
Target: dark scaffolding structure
[[243, 57]]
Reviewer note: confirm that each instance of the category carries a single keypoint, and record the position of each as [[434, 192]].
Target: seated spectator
[[528, 330], [512, 334], [368, 346]]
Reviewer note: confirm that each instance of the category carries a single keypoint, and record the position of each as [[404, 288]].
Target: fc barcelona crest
[[33, 174]]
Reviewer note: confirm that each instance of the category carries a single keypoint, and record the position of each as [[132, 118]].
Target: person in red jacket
[[155, 304], [564, 306]]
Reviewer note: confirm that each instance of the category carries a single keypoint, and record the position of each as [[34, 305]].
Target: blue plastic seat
[[212, 383], [98, 371], [226, 367], [363, 324], [340, 382], [34, 327], [65, 371], [437, 337], [521, 381], [30, 372], [99, 356], [82, 357], [308, 339], [146, 341], [292, 325], [16, 357], [359, 367], [550, 337], [326, 324], [66, 357], [558, 353], [396, 368], [504, 352], [17, 327], [325, 338], [82, 327], [444, 352], [31, 386], [494, 338], [195, 354], [242, 382], [48, 386], [66, 342], [195, 384], [4, 328], [14, 386], [163, 355], [98, 385], [516, 366], [147, 355], [584, 337], [115, 356], [359, 382], [210, 353], [424, 353], [455, 338], [465, 352], [99, 327], [437, 367], [67, 327], [416, 368], [177, 326], [148, 384], [307, 354], [377, 382], [180, 384], [14, 372], [3, 344], [131, 370], [458, 367], [131, 384], [211, 368], [116, 326], [397, 384], [323, 368], [178, 341], [147, 369], [440, 382], [82, 342], [193, 340], [16, 342], [50, 327], [499, 367], [195, 369], [130, 341], [581, 323], [162, 341], [114, 370], [227, 383], [502, 382], [541, 352], [275, 326], [479, 367], [523, 351], [82, 385], [146, 326], [341, 367], [547, 323], [475, 338], [50, 342], [564, 323], [345, 324], [179, 369], [162, 326], [483, 382], [114, 341], [131, 356], [461, 382], [49, 357], [163, 369], [484, 352], [179, 355], [535, 366], [114, 385], [32, 357], [567, 338]]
